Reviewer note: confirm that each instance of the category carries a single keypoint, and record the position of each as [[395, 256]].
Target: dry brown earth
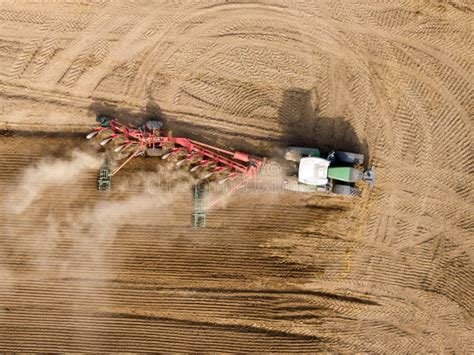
[[390, 272]]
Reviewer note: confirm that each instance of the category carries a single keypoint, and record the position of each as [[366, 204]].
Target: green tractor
[[337, 172]]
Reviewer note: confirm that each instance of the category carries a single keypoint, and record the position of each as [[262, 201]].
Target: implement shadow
[[135, 117], [152, 111]]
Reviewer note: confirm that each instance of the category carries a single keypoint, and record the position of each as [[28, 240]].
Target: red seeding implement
[[208, 162], [151, 140]]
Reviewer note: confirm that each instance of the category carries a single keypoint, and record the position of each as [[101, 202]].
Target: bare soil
[[391, 271]]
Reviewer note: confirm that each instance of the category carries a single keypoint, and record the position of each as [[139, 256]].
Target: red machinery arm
[[201, 154]]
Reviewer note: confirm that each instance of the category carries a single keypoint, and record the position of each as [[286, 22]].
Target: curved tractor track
[[391, 271]]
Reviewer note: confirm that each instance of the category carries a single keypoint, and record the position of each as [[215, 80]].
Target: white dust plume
[[36, 179]]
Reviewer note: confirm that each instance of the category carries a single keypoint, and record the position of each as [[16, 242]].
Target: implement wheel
[[152, 124]]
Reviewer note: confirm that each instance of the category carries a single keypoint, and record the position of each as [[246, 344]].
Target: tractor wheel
[[102, 120], [349, 158], [345, 190], [151, 125]]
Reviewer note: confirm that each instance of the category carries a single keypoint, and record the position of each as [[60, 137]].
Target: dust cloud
[[267, 187], [36, 179], [70, 237]]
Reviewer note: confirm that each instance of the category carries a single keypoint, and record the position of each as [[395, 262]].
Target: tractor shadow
[[303, 126]]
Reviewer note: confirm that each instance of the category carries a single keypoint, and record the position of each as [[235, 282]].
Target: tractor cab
[[313, 171]]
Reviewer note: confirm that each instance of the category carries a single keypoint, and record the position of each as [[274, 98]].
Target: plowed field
[[390, 271]]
